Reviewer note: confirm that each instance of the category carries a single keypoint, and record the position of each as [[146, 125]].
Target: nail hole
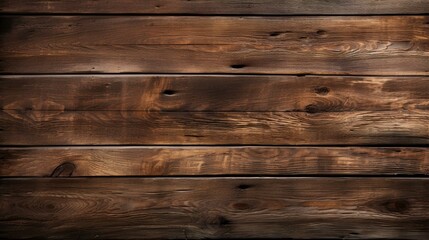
[[157, 6], [169, 92], [237, 66], [243, 186], [321, 90], [275, 34], [321, 32]]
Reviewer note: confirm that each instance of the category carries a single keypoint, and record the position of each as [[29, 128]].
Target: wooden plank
[[196, 128], [377, 45], [259, 7], [166, 161], [195, 208], [204, 92]]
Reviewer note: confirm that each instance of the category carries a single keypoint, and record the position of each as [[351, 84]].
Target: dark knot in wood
[[64, 170], [244, 186], [396, 205], [321, 90]]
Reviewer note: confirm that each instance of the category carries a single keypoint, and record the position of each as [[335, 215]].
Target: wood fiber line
[[195, 208], [195, 128], [168, 161], [377, 45], [212, 93], [234, 7]]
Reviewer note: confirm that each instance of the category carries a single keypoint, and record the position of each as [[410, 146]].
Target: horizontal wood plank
[[259, 7], [195, 208], [377, 45], [196, 128], [212, 93], [165, 161]]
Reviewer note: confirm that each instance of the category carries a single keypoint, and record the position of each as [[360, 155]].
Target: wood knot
[[169, 92], [396, 205], [223, 221], [241, 206], [64, 170], [321, 32], [237, 66], [244, 186], [312, 108], [321, 90], [214, 222], [50, 206], [275, 34]]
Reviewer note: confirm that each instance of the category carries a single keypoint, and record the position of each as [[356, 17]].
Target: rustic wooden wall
[[192, 119]]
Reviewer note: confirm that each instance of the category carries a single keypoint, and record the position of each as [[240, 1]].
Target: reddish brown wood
[[376, 45], [195, 208], [212, 93], [235, 7], [313, 127], [163, 161]]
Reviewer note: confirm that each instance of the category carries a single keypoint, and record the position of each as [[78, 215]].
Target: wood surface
[[220, 119], [195, 208], [233, 7], [358, 45], [212, 93], [195, 128], [197, 161]]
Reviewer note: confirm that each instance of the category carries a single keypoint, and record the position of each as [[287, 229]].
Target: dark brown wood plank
[[195, 208], [260, 7], [377, 45], [212, 93], [196, 128], [164, 161]]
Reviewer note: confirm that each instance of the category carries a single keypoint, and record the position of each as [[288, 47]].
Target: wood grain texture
[[212, 93], [193, 208], [258, 7], [377, 45], [167, 161], [196, 128]]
